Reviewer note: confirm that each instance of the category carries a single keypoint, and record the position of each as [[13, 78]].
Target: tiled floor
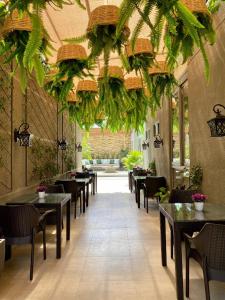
[[113, 254]]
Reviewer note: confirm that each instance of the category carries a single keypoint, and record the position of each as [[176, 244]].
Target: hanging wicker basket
[[14, 22], [87, 85], [133, 83], [72, 98], [113, 72], [142, 46], [196, 6], [159, 68], [106, 15], [70, 52]]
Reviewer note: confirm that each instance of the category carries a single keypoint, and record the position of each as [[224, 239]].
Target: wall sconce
[[23, 136], [62, 144], [78, 147], [158, 141], [145, 145], [217, 124]]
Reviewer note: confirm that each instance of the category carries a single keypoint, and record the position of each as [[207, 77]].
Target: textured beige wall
[[106, 142], [41, 112]]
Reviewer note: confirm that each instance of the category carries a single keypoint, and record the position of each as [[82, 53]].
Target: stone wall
[[46, 125], [104, 142]]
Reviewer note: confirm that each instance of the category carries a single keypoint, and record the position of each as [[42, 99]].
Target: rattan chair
[[71, 187], [152, 186], [179, 196], [20, 224], [208, 249]]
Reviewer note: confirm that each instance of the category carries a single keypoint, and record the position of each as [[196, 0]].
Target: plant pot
[[199, 206], [2, 254], [41, 195]]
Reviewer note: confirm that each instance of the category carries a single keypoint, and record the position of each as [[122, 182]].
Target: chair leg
[[171, 243], [80, 204], [206, 281], [147, 204], [32, 255], [187, 253], [44, 243], [75, 209], [144, 201]]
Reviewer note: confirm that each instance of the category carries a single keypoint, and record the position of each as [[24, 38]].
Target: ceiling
[[72, 21]]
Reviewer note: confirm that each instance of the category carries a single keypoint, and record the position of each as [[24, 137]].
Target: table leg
[[87, 198], [93, 185], [178, 262], [8, 252], [84, 198], [96, 182], [163, 240], [58, 231], [68, 206]]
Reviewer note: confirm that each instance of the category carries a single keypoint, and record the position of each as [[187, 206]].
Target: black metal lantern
[[145, 145], [23, 136], [158, 141], [217, 124], [78, 147], [62, 144]]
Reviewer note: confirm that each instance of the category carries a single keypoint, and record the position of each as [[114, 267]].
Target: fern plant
[[29, 49], [184, 30], [113, 101], [136, 116]]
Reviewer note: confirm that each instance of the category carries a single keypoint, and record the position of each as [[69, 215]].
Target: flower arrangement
[[41, 188], [199, 197]]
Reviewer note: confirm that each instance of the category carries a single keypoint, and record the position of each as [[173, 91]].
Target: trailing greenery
[[137, 62], [183, 29], [87, 109], [102, 40], [160, 85], [196, 177], [113, 101], [69, 156], [163, 195], [44, 160], [70, 69], [29, 49], [55, 88], [133, 159], [136, 116]]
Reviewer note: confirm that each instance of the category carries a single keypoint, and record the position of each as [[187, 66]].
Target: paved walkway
[[114, 254]]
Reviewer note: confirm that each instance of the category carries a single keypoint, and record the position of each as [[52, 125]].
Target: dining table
[[183, 218], [138, 184], [50, 201]]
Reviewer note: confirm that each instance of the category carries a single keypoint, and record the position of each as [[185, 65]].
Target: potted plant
[[41, 191], [199, 200]]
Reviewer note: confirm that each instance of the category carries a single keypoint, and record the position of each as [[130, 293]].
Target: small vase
[[41, 195], [199, 206]]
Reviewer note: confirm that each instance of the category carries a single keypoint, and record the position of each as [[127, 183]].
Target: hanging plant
[[25, 40], [86, 93], [113, 100], [184, 29], [72, 61], [136, 116], [162, 83], [54, 88], [101, 33], [140, 58]]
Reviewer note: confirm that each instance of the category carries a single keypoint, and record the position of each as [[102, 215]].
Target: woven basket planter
[[72, 98], [196, 6], [70, 52], [106, 15], [141, 46], [159, 68], [133, 83], [87, 85], [113, 72], [14, 22]]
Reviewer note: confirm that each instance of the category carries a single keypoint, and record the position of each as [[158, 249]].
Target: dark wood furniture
[[83, 183], [20, 224], [51, 201], [208, 249], [139, 185], [183, 217], [130, 180], [152, 186]]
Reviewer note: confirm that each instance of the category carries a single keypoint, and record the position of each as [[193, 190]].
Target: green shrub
[[133, 159]]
